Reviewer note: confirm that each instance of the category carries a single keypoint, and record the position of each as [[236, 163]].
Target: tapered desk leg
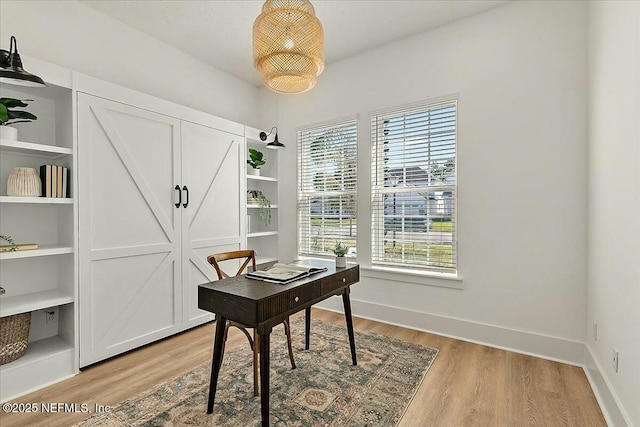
[[347, 315], [217, 360], [264, 375], [307, 327]]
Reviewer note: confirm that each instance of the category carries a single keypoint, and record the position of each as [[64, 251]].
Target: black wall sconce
[[275, 144], [11, 70]]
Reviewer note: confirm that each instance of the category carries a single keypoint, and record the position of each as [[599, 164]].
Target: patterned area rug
[[324, 390]]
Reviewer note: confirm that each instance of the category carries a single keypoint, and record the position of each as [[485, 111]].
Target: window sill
[[442, 280]]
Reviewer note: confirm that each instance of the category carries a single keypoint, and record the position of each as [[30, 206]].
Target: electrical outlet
[[51, 315], [595, 331], [614, 360]]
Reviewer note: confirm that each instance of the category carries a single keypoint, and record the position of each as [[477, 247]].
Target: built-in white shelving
[[35, 301], [41, 364], [43, 250], [36, 200], [42, 349], [29, 148], [263, 236], [261, 178], [44, 278], [251, 206]]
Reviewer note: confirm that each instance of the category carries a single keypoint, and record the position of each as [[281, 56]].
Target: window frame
[[303, 197], [378, 191]]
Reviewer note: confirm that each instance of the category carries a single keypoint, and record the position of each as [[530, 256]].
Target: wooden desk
[[262, 305]]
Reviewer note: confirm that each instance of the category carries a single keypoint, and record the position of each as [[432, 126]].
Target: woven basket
[[14, 335]]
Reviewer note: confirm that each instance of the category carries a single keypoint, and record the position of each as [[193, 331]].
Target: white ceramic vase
[[24, 182], [8, 132], [252, 171], [341, 262]]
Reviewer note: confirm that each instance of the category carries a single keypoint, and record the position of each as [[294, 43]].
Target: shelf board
[[43, 250], [263, 234], [40, 350], [37, 200], [40, 150], [249, 206], [262, 178], [10, 305]]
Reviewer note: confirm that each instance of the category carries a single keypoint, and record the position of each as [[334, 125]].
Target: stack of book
[[55, 181]]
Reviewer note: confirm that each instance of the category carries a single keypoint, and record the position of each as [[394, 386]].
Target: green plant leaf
[[340, 249], [12, 102], [256, 158], [25, 115], [4, 114], [255, 154], [8, 113]]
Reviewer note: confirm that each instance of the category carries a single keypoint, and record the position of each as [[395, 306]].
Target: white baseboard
[[543, 346], [546, 347], [612, 411]]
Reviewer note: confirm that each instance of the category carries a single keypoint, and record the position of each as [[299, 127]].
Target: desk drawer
[[288, 300], [338, 280]]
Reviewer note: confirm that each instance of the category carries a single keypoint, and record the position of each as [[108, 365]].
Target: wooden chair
[[249, 257]]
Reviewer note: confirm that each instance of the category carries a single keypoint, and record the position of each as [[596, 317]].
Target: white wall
[[75, 36], [520, 72], [614, 198]]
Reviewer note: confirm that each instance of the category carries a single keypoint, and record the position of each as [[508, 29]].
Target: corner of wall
[[609, 404]]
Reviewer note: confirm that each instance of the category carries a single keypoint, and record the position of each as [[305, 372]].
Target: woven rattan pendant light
[[288, 45]]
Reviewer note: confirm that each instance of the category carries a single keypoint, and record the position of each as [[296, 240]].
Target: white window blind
[[414, 187], [327, 159]]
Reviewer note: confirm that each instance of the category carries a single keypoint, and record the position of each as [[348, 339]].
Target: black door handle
[[184, 205], [177, 187]]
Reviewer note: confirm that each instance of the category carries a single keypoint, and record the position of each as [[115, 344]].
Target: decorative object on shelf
[[256, 160], [11, 247], [288, 45], [340, 250], [9, 132], [9, 116], [14, 336], [275, 144], [18, 247], [2, 291], [256, 197], [11, 70], [24, 182]]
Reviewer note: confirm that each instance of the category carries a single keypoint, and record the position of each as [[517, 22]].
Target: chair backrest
[[216, 259]]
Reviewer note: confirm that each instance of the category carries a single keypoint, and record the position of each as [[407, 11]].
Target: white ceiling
[[219, 32]]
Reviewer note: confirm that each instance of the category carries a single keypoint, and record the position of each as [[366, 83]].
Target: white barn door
[[211, 220], [130, 235]]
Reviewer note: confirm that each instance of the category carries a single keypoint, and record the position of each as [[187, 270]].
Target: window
[[414, 187], [327, 159]]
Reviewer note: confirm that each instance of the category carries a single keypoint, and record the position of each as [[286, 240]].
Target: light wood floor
[[468, 384]]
